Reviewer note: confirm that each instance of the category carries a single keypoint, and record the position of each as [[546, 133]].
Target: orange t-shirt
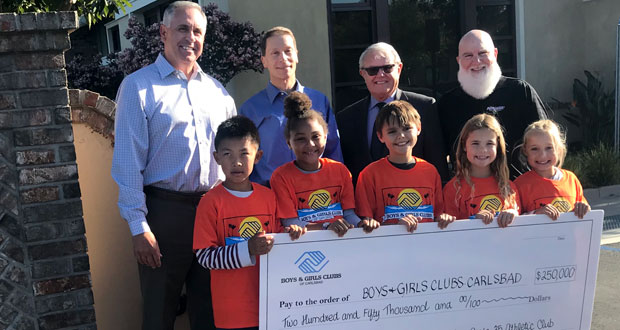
[[387, 193], [536, 191], [464, 202], [223, 217], [316, 197]]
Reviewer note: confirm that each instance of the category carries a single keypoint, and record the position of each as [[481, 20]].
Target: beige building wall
[[562, 38], [113, 268], [308, 21]]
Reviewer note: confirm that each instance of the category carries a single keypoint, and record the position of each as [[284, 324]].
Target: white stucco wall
[[562, 38]]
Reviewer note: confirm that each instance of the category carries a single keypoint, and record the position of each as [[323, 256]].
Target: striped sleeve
[[233, 256]]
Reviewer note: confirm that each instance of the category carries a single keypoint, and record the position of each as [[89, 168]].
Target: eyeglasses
[[373, 70]]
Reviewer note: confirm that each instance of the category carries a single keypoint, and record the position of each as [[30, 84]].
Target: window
[[114, 39], [152, 16]]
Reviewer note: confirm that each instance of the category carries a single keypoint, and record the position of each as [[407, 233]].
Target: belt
[[181, 196]]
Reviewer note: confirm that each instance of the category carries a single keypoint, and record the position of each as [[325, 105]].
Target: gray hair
[[382, 47], [172, 8]]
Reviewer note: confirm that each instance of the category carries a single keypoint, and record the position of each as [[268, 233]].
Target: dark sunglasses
[[373, 70]]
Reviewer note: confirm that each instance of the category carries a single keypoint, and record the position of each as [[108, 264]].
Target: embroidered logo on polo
[[247, 228], [495, 110], [410, 202], [320, 207], [491, 203], [561, 204]]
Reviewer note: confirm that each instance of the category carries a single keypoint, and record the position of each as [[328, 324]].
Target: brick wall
[[94, 110], [44, 268]]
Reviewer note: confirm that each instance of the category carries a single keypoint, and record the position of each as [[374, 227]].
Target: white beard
[[482, 84]]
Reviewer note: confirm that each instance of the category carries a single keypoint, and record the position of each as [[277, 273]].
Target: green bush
[[592, 111], [599, 166]]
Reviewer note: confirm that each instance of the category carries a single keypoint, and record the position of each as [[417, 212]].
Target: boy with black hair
[[232, 220]]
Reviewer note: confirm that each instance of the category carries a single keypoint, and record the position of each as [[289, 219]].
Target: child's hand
[[369, 224], [295, 231], [260, 244], [486, 216], [410, 221], [581, 209], [550, 210], [505, 218], [444, 220], [340, 227]]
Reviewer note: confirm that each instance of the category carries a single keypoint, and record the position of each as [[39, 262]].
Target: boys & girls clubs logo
[[311, 263]]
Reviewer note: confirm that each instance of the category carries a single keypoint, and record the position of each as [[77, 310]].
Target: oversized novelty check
[[535, 274]]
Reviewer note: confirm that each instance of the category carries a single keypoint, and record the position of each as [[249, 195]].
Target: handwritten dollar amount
[[555, 274]]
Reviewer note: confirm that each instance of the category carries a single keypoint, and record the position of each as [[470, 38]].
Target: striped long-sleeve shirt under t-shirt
[[224, 223]]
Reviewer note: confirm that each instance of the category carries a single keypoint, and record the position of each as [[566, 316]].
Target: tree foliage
[[93, 10]]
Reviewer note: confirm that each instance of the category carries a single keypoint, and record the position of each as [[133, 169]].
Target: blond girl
[[547, 188]]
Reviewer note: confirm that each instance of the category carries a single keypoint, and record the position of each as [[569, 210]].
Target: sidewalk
[[608, 199]]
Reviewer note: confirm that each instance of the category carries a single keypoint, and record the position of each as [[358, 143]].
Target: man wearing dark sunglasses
[[380, 66]]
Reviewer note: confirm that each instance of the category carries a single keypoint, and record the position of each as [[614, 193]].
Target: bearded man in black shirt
[[483, 89]]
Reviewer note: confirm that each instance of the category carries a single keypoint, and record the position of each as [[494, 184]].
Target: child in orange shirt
[[313, 192], [400, 188], [230, 227], [481, 187], [547, 188]]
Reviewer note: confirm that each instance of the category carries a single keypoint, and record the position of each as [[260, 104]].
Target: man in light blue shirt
[[266, 108], [166, 119]]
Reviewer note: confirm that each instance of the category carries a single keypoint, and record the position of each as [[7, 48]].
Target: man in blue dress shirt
[[266, 108], [166, 117]]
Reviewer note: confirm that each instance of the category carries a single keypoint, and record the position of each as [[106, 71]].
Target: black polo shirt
[[513, 102]]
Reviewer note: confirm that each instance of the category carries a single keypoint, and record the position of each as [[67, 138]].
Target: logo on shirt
[[409, 198], [561, 204], [311, 262], [249, 227], [495, 110], [319, 199], [491, 203]]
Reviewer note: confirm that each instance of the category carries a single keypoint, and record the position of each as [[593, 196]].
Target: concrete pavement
[[606, 315], [608, 199]]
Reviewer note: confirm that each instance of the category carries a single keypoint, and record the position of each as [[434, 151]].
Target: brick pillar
[[44, 269]]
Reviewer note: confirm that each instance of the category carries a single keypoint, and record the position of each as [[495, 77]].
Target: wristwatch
[[325, 225]]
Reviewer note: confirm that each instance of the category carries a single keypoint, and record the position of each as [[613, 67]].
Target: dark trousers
[[171, 218]]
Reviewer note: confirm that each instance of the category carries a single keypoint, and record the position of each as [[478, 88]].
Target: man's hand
[[260, 244], [146, 250]]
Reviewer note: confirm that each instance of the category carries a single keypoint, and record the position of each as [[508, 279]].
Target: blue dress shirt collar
[[273, 91], [373, 101]]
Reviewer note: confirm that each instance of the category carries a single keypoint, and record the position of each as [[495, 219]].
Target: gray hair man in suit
[[380, 66]]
